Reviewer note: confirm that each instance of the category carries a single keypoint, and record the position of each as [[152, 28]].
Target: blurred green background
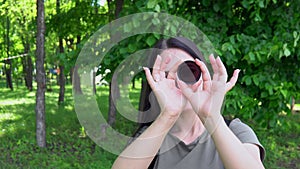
[[260, 37]]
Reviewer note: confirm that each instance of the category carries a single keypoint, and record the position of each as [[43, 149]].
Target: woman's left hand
[[207, 101]]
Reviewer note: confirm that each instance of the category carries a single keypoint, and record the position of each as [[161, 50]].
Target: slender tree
[[114, 88], [40, 76], [8, 64], [62, 79]]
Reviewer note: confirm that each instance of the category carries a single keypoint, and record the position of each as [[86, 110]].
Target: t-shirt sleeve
[[246, 135]]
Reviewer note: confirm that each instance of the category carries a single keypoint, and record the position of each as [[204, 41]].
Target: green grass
[[67, 144], [69, 147]]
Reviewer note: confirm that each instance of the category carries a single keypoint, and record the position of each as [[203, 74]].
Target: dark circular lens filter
[[189, 72]]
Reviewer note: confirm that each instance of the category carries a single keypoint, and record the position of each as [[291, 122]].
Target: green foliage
[[260, 37]]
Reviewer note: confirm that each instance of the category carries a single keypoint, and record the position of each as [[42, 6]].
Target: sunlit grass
[[68, 146], [16, 101]]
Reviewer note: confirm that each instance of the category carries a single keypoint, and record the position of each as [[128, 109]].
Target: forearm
[[232, 151], [141, 152]]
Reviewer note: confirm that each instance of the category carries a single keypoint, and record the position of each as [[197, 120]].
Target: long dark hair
[[148, 105]]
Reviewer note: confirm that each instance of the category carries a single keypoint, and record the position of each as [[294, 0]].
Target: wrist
[[168, 118], [211, 123]]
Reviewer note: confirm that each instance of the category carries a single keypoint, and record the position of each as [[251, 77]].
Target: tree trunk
[[62, 80], [40, 76], [96, 6], [8, 65], [27, 65], [8, 69], [29, 72], [76, 81], [119, 6], [112, 108]]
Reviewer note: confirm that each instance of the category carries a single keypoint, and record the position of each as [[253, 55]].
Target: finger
[[233, 80], [149, 77], [205, 75], [204, 70], [173, 70], [156, 68], [163, 66], [195, 87], [165, 61], [222, 70], [214, 66], [185, 89]]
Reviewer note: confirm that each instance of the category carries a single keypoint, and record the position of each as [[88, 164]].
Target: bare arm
[[140, 153], [207, 103], [233, 152]]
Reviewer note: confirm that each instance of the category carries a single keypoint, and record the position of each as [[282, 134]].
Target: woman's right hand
[[169, 97]]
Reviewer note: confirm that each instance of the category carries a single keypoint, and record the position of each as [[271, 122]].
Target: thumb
[[185, 89]]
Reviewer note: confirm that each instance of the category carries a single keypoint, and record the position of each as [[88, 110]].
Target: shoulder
[[243, 131], [246, 134]]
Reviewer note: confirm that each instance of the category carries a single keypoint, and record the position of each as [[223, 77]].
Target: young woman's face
[[174, 57]]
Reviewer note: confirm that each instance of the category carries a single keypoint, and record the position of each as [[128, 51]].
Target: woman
[[189, 130]]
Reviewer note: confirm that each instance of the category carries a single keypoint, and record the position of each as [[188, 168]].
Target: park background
[[260, 37]]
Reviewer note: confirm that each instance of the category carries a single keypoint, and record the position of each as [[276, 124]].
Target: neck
[[188, 127]]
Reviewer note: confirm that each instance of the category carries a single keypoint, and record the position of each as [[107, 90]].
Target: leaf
[[173, 30], [287, 52], [255, 80], [226, 46], [131, 47], [155, 21], [252, 56], [123, 50], [261, 4], [247, 80], [127, 27], [246, 4], [136, 23], [150, 41], [284, 93], [295, 34], [151, 4], [264, 95], [106, 61], [216, 7], [206, 3], [157, 8]]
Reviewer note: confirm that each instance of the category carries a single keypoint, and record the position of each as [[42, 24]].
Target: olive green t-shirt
[[202, 153]]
